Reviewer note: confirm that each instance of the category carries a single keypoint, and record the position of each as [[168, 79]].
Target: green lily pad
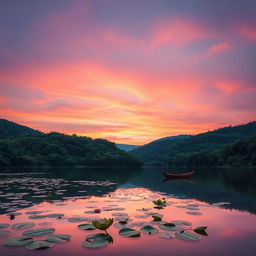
[[181, 222], [97, 240], [166, 235], [170, 227], [129, 232], [4, 225], [119, 214], [194, 213], [38, 232], [39, 245], [156, 218], [23, 225], [55, 215], [35, 217], [149, 230], [4, 233], [86, 227], [33, 212], [18, 241], [77, 219], [187, 236], [58, 238]]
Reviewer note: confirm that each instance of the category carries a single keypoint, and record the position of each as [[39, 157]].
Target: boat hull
[[178, 176]]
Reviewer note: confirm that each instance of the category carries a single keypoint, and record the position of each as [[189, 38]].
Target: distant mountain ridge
[[157, 153], [126, 147]]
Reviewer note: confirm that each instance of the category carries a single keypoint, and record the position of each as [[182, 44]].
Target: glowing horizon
[[128, 71]]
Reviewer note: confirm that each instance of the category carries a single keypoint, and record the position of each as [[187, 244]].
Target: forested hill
[[155, 149], [56, 149], [186, 151], [11, 130]]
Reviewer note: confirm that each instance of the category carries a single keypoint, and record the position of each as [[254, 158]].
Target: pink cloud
[[178, 32]]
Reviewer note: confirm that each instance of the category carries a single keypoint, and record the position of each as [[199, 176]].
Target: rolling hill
[[190, 148], [23, 146]]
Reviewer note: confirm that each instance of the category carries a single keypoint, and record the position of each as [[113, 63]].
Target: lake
[[57, 201]]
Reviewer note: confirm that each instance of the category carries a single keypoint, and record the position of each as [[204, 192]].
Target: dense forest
[[56, 149], [210, 148]]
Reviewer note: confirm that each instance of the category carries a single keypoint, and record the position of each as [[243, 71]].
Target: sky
[[130, 71]]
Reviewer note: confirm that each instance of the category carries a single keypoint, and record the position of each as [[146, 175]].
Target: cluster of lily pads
[[175, 229]]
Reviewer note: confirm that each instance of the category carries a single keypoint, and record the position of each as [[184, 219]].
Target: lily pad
[[170, 227], [33, 212], [18, 241], [149, 230], [77, 219], [4, 225], [194, 213], [181, 222], [58, 238], [97, 240], [55, 215], [39, 245], [38, 232], [4, 233], [86, 227], [35, 217], [119, 214], [23, 225], [129, 232], [187, 236], [166, 235]]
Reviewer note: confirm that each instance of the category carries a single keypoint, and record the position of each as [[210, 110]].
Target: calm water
[[222, 200]]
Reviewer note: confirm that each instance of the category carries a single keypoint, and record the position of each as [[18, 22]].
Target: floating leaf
[[129, 232], [77, 219], [201, 230], [166, 235], [39, 245], [119, 214], [33, 212], [55, 215], [170, 227], [86, 227], [97, 241], [35, 217], [149, 230], [38, 232], [18, 241], [4, 225], [23, 225], [58, 238], [194, 213], [187, 236], [103, 224], [4, 233], [182, 222]]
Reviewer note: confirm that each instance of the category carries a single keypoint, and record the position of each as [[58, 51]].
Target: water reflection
[[66, 198]]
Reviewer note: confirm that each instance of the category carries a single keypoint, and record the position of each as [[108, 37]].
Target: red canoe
[[174, 175]]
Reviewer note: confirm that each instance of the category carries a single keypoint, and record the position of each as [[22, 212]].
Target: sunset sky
[[130, 71]]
